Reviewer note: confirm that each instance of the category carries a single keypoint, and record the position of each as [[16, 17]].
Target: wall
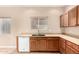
[[71, 30], [21, 21], [9, 40], [53, 19]]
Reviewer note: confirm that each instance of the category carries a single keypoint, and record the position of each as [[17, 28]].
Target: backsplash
[[72, 30]]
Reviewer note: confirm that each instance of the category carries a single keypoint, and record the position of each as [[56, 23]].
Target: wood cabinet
[[67, 47], [53, 44], [61, 21], [71, 48], [65, 20], [72, 15], [34, 43], [62, 45], [78, 16], [44, 44], [37, 44], [71, 18]]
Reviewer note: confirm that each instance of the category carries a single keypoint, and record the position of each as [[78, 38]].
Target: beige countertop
[[66, 37]]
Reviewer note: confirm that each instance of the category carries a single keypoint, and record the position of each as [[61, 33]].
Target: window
[[43, 23], [5, 25], [34, 22], [39, 23]]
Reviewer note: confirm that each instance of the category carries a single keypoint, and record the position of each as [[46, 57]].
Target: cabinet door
[[66, 20], [78, 15], [52, 44], [61, 21], [23, 44], [42, 44], [70, 50], [34, 44], [72, 45], [73, 17], [62, 45]]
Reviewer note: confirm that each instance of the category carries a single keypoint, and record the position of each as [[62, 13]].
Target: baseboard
[[7, 46]]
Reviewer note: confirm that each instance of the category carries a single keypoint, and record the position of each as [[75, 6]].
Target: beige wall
[[53, 19], [21, 21]]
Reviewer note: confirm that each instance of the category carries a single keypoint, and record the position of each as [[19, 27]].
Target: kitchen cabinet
[[71, 48], [44, 44], [65, 20], [78, 16], [47, 44], [61, 21], [53, 44], [34, 44], [70, 18], [72, 15], [37, 44], [23, 44], [62, 45]]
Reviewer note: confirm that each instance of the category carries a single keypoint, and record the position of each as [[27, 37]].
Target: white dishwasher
[[23, 43]]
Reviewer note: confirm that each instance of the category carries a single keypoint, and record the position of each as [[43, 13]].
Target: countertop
[[66, 37]]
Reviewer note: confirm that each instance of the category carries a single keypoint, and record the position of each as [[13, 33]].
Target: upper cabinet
[[78, 16], [65, 19], [61, 21], [73, 17]]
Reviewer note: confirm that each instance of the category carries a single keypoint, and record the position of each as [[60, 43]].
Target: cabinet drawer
[[69, 43], [53, 38], [33, 38], [70, 50], [39, 38], [73, 45]]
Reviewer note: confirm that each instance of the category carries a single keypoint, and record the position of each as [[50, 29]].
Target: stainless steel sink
[[38, 35]]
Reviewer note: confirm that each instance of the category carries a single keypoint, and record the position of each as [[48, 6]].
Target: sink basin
[[38, 35]]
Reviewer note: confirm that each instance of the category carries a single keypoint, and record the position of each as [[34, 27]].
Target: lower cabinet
[[37, 44], [52, 44], [71, 48], [62, 45], [67, 47], [44, 44], [34, 44]]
